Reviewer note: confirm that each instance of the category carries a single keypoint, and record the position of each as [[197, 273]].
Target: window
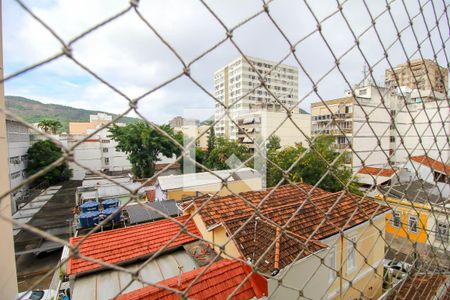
[[413, 224], [105, 150], [351, 255], [14, 160], [332, 264], [396, 219], [24, 158], [442, 231], [15, 175], [106, 161], [106, 141], [392, 139]]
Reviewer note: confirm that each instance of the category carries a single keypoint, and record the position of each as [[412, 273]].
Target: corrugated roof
[[204, 178], [424, 287], [129, 243], [432, 163], [377, 171], [139, 213], [218, 282]]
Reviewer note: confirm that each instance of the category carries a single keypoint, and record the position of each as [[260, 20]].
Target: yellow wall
[[406, 209], [237, 186]]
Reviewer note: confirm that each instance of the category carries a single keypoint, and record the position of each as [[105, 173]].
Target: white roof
[[112, 190], [93, 181], [197, 179], [368, 179]]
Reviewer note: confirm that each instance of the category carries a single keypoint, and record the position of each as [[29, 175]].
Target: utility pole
[[8, 275]]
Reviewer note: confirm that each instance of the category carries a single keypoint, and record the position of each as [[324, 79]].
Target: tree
[[42, 154], [49, 125], [226, 150], [273, 143], [211, 139], [144, 145], [313, 165]]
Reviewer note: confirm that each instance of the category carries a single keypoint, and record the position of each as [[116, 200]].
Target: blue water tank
[[89, 219], [110, 203], [89, 206], [109, 211]]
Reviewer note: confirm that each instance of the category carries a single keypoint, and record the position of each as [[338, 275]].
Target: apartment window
[[106, 161], [413, 223], [392, 139], [332, 264], [15, 175], [396, 219], [24, 158], [14, 160], [442, 231], [363, 92], [105, 150], [106, 141], [351, 255]]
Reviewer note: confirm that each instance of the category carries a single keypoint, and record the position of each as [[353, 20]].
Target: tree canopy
[[223, 151], [144, 144], [50, 125], [42, 154]]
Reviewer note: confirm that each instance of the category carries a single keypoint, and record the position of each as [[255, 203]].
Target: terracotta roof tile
[[218, 282], [377, 171], [343, 211], [129, 243], [424, 287], [432, 163], [224, 208]]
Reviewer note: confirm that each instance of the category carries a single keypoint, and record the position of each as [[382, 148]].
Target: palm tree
[[49, 125]]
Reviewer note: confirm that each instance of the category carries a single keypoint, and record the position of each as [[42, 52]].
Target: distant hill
[[34, 111]]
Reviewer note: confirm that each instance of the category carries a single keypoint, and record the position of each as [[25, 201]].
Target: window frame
[[351, 255], [332, 261], [399, 218], [410, 217]]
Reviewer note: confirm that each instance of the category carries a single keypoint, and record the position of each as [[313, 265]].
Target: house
[[421, 286], [180, 187], [299, 251], [370, 177], [176, 260], [419, 216], [152, 211], [432, 171], [219, 281]]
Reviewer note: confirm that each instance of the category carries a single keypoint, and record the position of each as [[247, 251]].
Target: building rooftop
[[422, 286], [377, 171], [204, 178], [304, 230], [127, 244], [367, 175], [147, 212], [415, 191], [432, 163], [333, 101], [219, 280]]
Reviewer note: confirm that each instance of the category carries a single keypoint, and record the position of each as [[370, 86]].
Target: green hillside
[[34, 111]]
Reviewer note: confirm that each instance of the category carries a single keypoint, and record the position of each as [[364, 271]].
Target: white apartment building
[[238, 80], [98, 152], [18, 139], [258, 126], [381, 133]]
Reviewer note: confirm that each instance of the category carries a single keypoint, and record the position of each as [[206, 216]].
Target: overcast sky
[[130, 56]]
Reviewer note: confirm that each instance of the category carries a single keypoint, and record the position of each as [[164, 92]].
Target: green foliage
[[312, 166], [144, 144], [273, 143], [50, 126], [224, 150], [42, 154], [211, 139]]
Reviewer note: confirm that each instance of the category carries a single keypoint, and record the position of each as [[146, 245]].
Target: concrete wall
[[8, 276], [288, 132], [369, 244]]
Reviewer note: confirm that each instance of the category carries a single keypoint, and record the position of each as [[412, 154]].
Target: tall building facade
[[18, 145], [238, 80], [425, 75]]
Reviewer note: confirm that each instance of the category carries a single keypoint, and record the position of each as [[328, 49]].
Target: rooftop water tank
[[89, 206], [110, 203], [109, 211], [89, 219]]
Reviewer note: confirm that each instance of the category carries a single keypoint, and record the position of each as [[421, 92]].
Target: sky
[[132, 58]]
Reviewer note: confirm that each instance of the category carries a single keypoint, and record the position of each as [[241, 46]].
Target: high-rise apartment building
[[238, 80], [425, 75]]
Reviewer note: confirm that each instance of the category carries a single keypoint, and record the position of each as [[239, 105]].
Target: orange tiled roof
[[377, 171], [224, 208], [129, 243], [424, 287], [253, 239], [218, 282], [432, 163]]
